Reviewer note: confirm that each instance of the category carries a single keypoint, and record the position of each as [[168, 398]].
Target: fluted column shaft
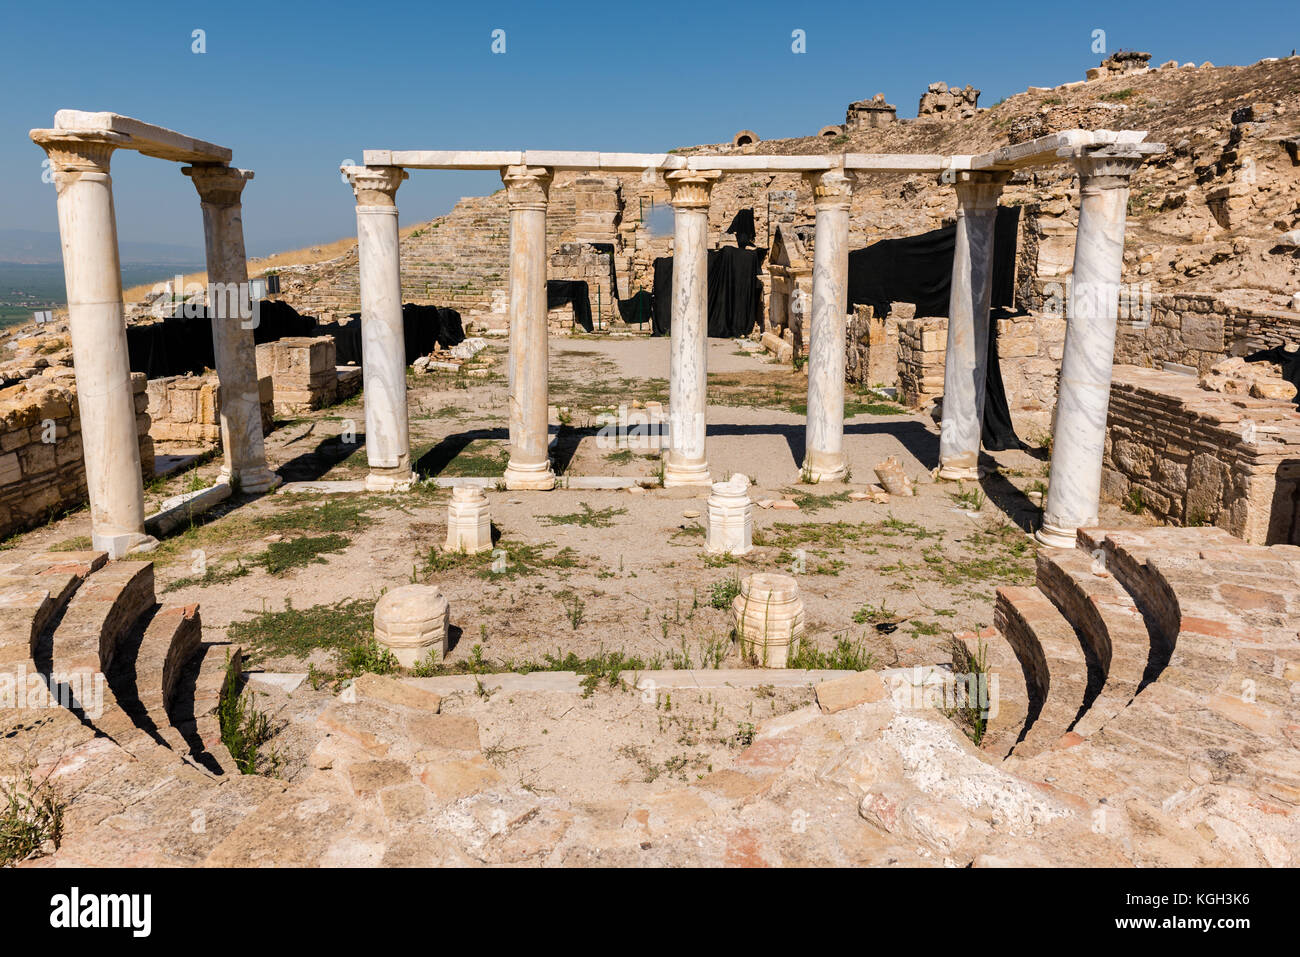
[[97, 327], [686, 462], [1083, 397], [383, 342], [965, 371], [230, 309], [824, 443], [527, 191]]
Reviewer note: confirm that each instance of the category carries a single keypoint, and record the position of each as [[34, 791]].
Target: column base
[[120, 545], [1054, 536], [959, 473], [390, 481], [821, 467], [530, 476], [677, 472], [253, 481]]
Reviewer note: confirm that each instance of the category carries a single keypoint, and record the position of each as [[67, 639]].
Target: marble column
[[527, 191], [219, 189], [685, 462], [824, 430], [1083, 396], [97, 327], [965, 368], [383, 342]]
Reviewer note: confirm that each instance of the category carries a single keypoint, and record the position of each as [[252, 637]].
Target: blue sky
[[296, 88]]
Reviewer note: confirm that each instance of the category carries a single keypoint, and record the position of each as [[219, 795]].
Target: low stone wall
[[922, 345], [188, 408], [871, 348], [1195, 457], [302, 370], [42, 471]]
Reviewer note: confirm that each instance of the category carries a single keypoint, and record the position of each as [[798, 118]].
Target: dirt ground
[[595, 572]]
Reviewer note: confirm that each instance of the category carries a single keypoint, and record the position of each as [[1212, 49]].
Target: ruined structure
[[944, 102]]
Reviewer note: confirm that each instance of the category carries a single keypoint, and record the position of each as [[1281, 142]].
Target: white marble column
[[96, 324], [824, 430], [685, 462], [965, 370], [1083, 397], [219, 189], [527, 191], [383, 344]]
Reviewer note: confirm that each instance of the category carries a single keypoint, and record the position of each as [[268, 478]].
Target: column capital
[[832, 188], [691, 187], [1107, 168], [978, 189], [218, 185], [527, 187], [79, 151], [375, 185]]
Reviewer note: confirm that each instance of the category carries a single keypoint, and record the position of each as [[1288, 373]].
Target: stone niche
[[187, 408], [1192, 456], [869, 114], [42, 468], [302, 371]]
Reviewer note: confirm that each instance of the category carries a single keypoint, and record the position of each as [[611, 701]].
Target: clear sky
[[296, 88]]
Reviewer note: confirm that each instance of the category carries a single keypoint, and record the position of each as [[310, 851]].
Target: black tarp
[[733, 297], [179, 345], [638, 309], [742, 227], [560, 292], [918, 269], [996, 432]]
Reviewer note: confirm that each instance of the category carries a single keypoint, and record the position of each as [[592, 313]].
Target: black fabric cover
[[560, 292], [918, 269], [426, 328], [734, 292], [996, 432], [638, 309], [742, 227]]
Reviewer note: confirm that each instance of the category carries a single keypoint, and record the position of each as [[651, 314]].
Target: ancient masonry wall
[[40, 478], [1190, 456], [187, 408]]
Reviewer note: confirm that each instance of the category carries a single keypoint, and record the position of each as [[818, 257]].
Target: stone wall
[[871, 346], [303, 371], [187, 408], [922, 345], [1194, 457], [42, 471], [1199, 329]]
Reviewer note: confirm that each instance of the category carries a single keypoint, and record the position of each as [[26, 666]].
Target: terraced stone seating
[[118, 709]]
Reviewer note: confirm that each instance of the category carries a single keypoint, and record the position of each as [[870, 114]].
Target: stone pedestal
[[97, 327], [383, 341], [412, 622], [768, 615], [824, 455], [685, 462], [966, 360], [1079, 439], [231, 311], [527, 191], [469, 521], [730, 518]]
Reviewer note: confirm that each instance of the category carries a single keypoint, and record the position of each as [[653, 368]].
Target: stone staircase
[[119, 711], [1183, 653]]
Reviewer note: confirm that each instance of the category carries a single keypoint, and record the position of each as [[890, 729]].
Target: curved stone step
[[196, 698], [1057, 674], [1111, 629], [34, 590], [100, 615], [1006, 690]]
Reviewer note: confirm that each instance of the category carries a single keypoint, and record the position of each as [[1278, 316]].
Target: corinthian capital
[[527, 187], [78, 151], [375, 185], [1107, 168], [690, 188], [218, 185], [832, 187]]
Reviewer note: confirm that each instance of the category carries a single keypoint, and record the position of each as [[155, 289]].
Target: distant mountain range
[[32, 247]]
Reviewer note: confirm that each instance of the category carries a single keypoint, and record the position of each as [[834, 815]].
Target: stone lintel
[[144, 137]]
